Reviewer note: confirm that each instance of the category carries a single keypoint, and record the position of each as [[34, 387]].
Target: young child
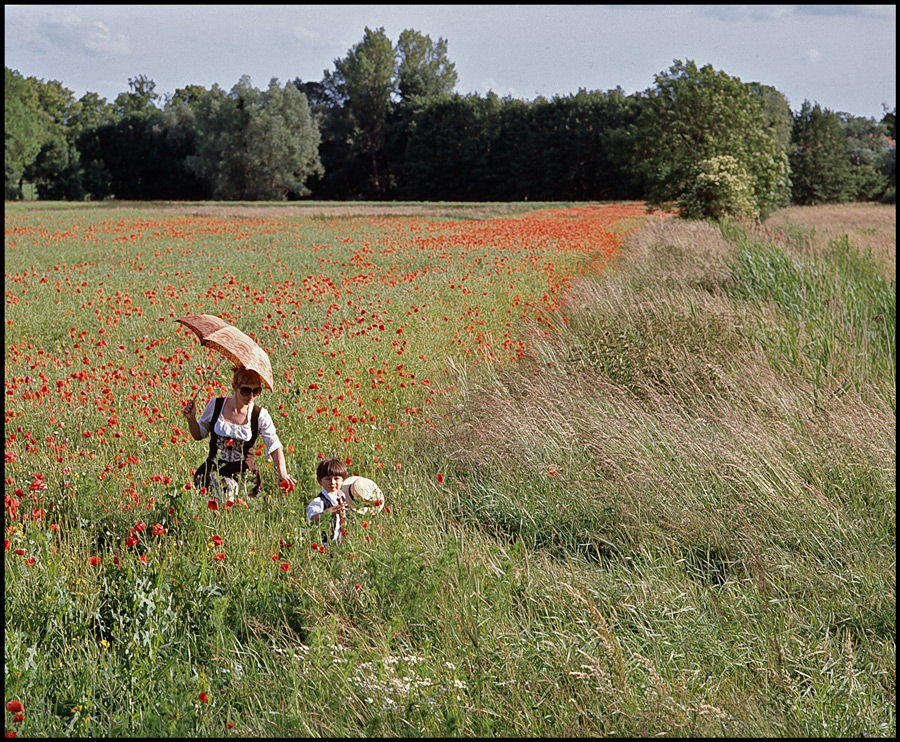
[[330, 474]]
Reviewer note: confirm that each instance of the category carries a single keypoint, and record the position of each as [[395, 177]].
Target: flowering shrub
[[720, 187]]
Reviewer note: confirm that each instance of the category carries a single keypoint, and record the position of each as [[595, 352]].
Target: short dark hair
[[331, 468]]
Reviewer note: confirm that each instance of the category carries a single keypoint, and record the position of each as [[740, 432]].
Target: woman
[[232, 424]]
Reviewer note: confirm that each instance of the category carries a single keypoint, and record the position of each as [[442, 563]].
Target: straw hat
[[365, 492]]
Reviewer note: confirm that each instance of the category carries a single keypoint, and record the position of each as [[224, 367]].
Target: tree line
[[386, 124]]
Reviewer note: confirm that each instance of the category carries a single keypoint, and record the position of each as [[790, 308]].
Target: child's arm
[[341, 508]]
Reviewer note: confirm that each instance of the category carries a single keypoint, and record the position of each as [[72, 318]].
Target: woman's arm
[[281, 467], [274, 448], [190, 414]]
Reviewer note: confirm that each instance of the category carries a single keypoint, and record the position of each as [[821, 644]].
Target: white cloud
[[743, 13], [304, 34], [95, 37], [490, 85]]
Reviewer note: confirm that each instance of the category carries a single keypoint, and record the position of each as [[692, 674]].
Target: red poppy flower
[[94, 561], [212, 505], [440, 478], [14, 706], [159, 529], [220, 557], [314, 546], [217, 540], [286, 486], [285, 566], [357, 586], [19, 717], [203, 697]]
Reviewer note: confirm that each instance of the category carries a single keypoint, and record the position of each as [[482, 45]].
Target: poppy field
[[361, 317], [131, 599]]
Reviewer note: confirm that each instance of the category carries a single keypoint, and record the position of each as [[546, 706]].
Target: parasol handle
[[208, 376]]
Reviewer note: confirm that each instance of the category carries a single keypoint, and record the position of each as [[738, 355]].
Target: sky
[[842, 57]]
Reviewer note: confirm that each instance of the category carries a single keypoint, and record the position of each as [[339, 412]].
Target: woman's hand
[[190, 413], [286, 482], [189, 410]]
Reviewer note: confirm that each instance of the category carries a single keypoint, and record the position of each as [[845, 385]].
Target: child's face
[[331, 484]]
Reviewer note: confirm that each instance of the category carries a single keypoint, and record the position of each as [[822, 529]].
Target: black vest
[[247, 451]]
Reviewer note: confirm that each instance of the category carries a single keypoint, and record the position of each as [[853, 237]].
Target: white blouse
[[225, 429], [316, 507]]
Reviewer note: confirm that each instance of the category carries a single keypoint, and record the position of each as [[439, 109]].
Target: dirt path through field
[[269, 210]]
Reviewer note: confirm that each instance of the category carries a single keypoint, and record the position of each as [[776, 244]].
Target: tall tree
[[424, 69], [693, 115], [24, 129], [59, 171], [140, 100], [364, 79], [867, 147], [820, 162]]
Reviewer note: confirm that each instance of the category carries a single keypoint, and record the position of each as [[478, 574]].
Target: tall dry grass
[[871, 227], [719, 509]]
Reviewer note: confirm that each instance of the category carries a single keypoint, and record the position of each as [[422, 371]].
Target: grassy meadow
[[639, 473]]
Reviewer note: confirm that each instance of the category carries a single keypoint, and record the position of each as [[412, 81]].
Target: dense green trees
[[385, 123], [486, 148], [245, 144], [252, 144], [27, 127], [837, 158]]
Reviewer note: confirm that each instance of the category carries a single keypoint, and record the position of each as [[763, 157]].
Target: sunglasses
[[251, 390]]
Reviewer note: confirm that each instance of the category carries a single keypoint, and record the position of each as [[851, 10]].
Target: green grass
[[672, 514]]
